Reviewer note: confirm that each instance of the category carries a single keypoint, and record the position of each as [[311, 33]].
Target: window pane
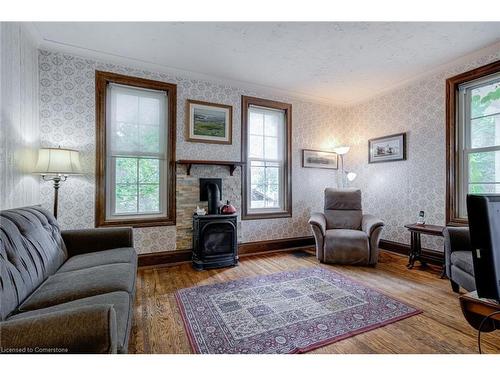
[[485, 131], [271, 148], [126, 170], [149, 198], [257, 175], [484, 167], [126, 198], [256, 123], [256, 147], [485, 100], [272, 175], [149, 171], [149, 111], [484, 188], [271, 122], [272, 196], [150, 139], [126, 108], [257, 196], [125, 137]]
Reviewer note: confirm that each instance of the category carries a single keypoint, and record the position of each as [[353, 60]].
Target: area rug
[[286, 312]]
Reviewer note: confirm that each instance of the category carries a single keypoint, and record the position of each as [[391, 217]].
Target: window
[[473, 138], [266, 148], [135, 151]]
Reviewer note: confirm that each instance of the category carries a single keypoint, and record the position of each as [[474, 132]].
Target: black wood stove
[[215, 241]]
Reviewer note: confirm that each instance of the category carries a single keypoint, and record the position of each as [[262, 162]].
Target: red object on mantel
[[228, 208]]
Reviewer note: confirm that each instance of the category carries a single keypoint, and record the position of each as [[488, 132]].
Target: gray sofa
[[69, 291], [458, 258], [343, 234]]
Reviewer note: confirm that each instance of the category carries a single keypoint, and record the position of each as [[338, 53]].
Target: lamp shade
[[341, 150], [351, 176], [58, 161]]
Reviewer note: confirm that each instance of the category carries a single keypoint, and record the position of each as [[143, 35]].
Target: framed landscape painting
[[209, 122], [319, 159], [388, 148]]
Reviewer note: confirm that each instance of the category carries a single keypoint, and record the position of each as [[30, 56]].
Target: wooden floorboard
[[158, 327]]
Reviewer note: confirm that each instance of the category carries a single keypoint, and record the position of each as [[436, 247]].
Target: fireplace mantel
[[231, 164]]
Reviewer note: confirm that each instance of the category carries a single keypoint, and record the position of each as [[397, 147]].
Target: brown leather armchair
[[343, 234]]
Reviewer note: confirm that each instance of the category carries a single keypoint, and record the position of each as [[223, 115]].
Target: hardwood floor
[[158, 327]]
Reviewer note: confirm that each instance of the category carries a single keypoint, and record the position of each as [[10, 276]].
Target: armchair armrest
[[318, 225], [318, 219], [89, 329], [369, 223], [90, 240], [455, 239]]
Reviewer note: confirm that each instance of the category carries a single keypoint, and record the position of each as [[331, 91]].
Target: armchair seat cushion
[[68, 286], [346, 246], [463, 260], [93, 259], [121, 302]]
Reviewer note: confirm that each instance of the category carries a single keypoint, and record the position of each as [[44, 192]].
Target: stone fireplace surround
[[188, 195]]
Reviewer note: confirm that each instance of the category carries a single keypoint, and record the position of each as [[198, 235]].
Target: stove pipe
[[213, 194]]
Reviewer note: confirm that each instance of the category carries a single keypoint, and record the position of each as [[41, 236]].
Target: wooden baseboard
[[244, 249], [269, 246], [428, 255]]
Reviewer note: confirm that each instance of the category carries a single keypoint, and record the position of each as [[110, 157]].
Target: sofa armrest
[[89, 329], [369, 223], [90, 240], [455, 239]]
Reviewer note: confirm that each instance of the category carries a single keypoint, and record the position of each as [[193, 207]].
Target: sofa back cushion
[[31, 249], [343, 208]]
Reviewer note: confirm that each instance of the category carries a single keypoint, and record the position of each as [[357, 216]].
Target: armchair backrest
[[343, 208]]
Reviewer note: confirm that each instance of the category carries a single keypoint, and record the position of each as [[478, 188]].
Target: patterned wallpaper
[[394, 191], [397, 191], [67, 118], [19, 130]]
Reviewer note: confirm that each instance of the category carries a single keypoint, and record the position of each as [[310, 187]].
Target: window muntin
[[136, 152], [479, 139], [266, 159]]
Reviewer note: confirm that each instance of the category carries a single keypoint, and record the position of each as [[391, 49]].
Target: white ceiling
[[338, 62]]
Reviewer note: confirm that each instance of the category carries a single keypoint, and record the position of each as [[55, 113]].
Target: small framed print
[[209, 122], [388, 148], [319, 159]]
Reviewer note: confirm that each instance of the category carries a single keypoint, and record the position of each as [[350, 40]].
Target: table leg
[[415, 249]]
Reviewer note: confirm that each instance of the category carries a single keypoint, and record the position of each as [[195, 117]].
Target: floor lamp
[[56, 164], [341, 151]]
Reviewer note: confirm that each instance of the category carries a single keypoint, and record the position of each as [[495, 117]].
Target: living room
[[250, 187]]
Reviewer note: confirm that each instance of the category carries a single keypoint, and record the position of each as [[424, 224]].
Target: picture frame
[[209, 122], [319, 159], [387, 148]]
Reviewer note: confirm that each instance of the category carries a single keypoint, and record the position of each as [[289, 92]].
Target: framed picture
[[209, 122], [319, 159], [388, 148]]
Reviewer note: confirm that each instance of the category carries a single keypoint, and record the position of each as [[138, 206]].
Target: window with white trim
[[266, 154], [136, 152], [478, 114]]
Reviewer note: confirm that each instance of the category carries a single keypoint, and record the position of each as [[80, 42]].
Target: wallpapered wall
[[397, 191], [19, 132], [67, 118]]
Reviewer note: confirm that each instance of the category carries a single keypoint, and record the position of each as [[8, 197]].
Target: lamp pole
[[57, 181]]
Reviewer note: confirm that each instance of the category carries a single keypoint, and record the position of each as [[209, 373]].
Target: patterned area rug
[[286, 312]]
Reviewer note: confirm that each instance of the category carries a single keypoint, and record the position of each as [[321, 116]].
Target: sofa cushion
[[346, 246], [463, 260], [72, 285], [121, 302], [31, 249], [120, 255]]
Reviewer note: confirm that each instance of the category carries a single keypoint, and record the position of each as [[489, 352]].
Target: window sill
[[136, 223], [266, 215]]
